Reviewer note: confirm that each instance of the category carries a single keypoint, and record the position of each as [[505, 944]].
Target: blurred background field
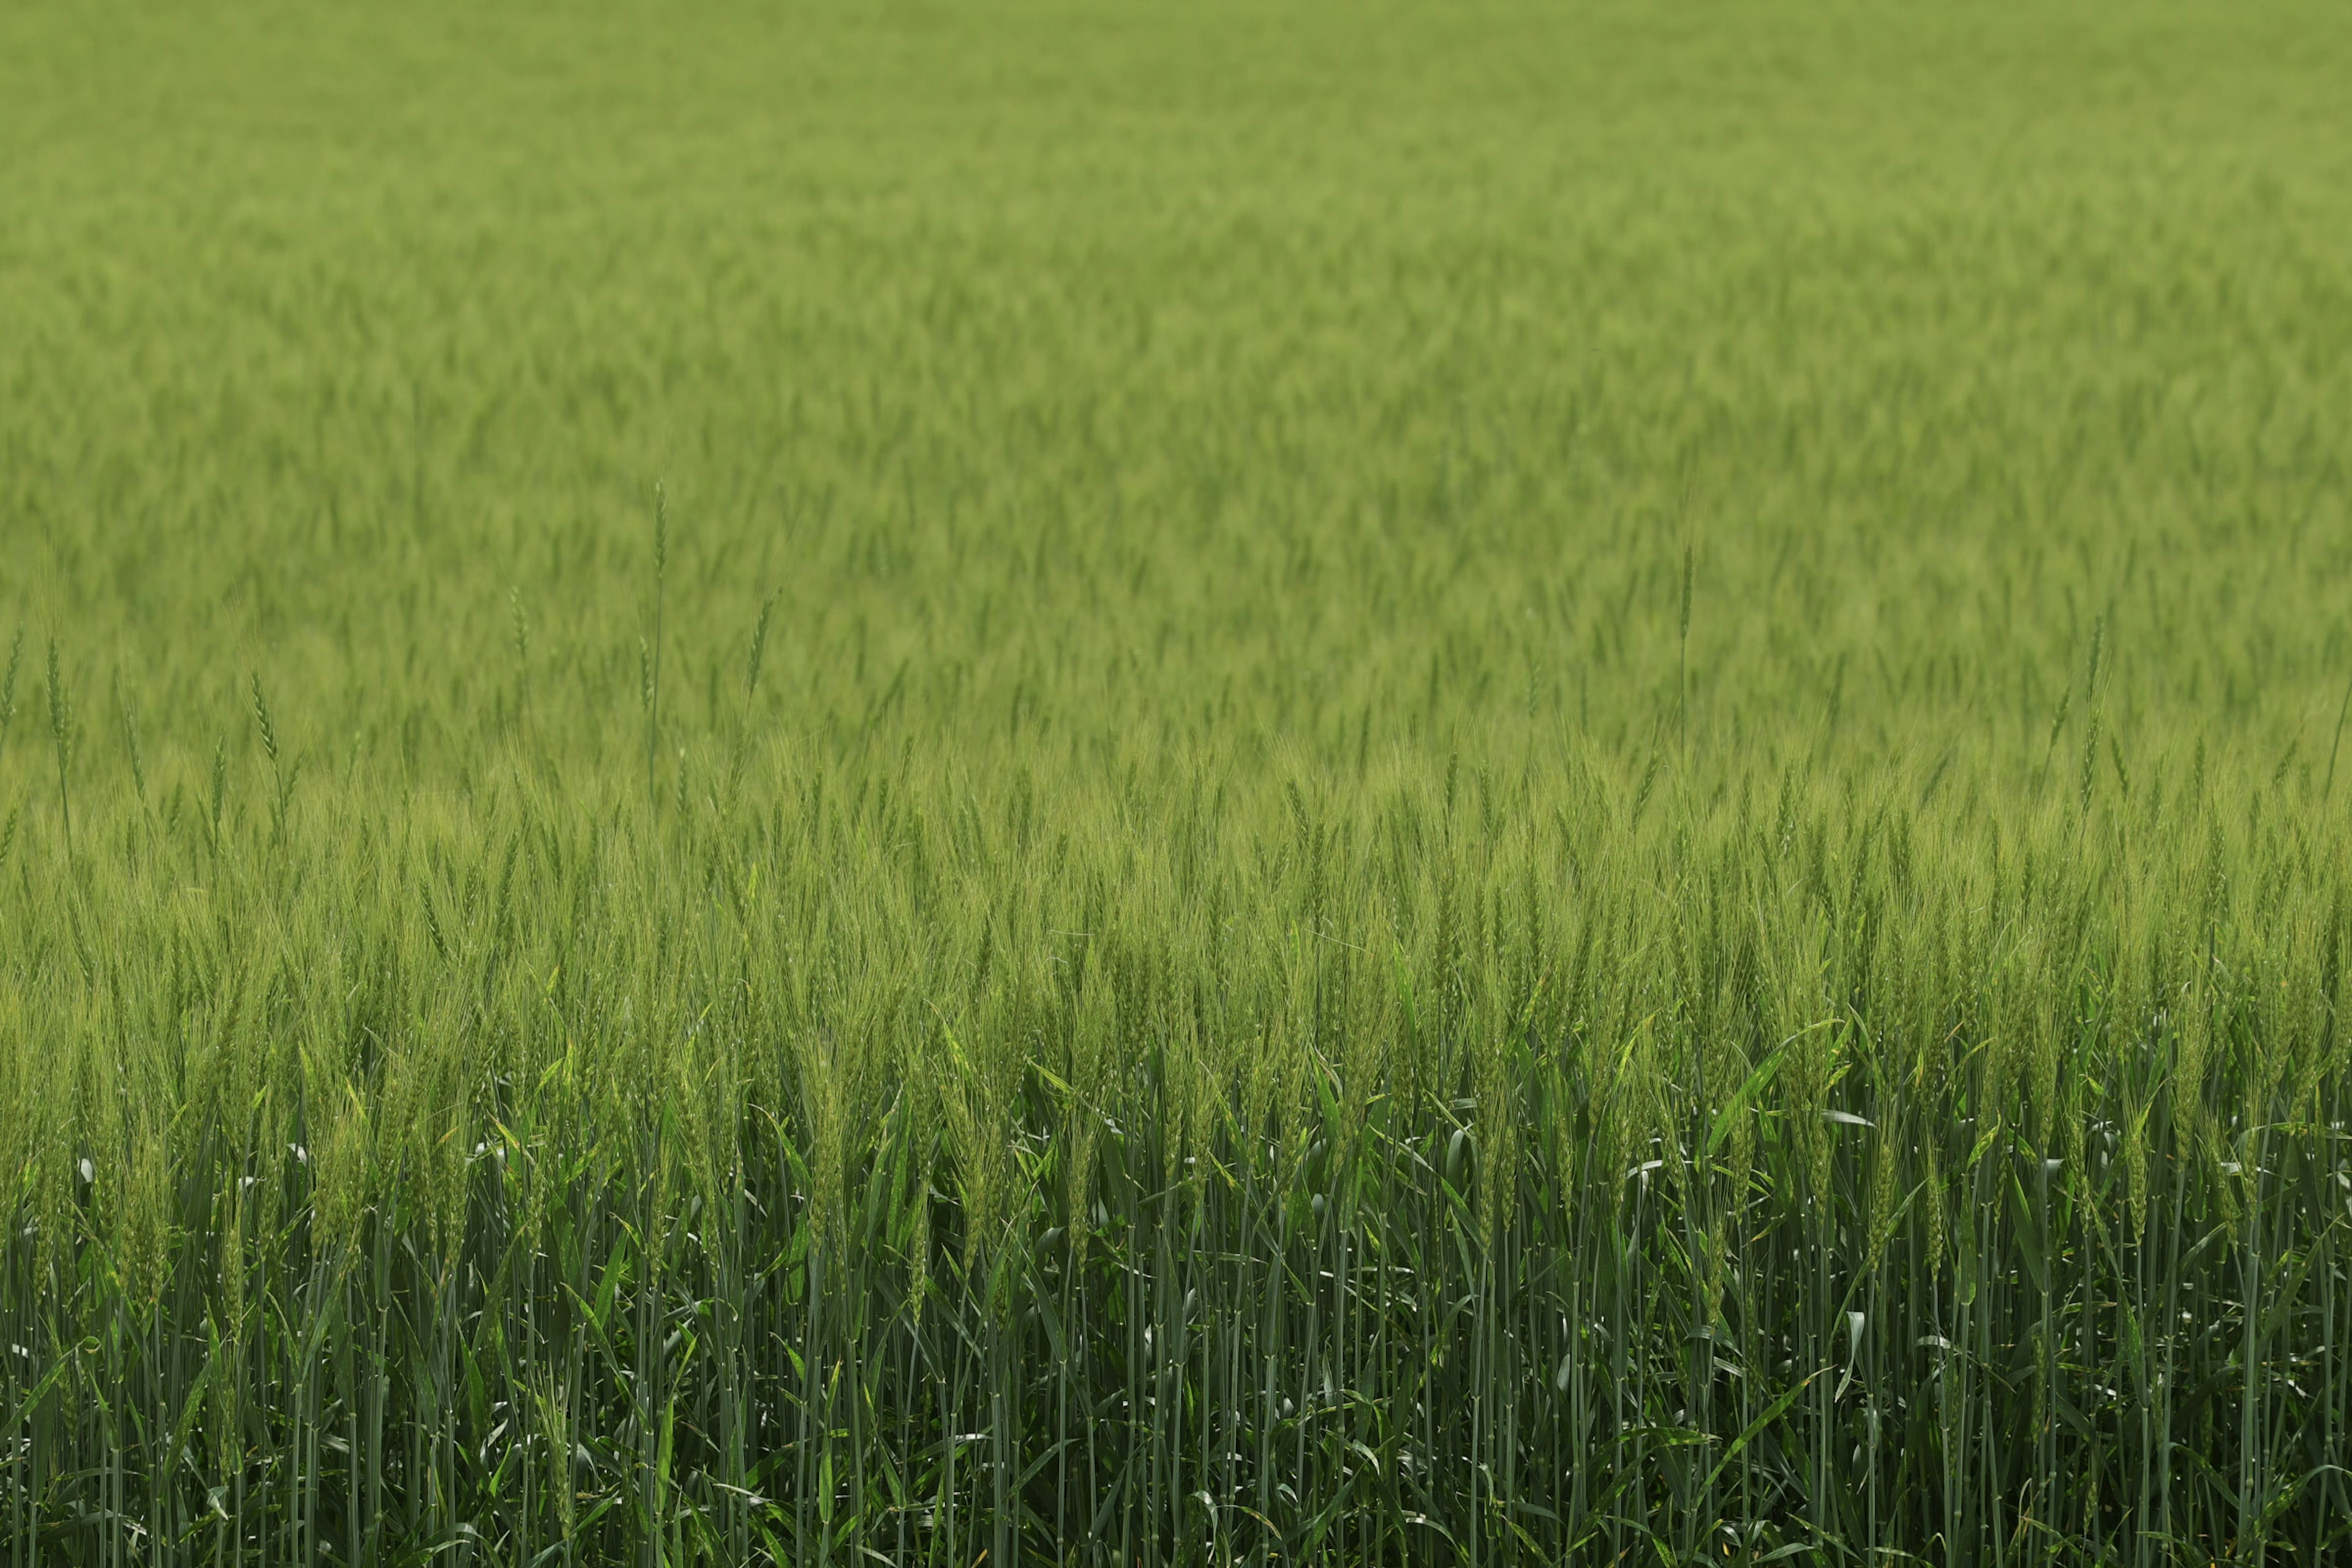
[[1092, 784]]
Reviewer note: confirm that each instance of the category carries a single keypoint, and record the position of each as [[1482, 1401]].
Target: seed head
[[8, 682], [261, 719], [661, 528], [62, 714]]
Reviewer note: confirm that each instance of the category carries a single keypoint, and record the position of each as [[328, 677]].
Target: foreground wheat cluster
[[1276, 787]]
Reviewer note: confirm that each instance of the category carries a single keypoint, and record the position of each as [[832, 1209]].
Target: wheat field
[[1047, 784]]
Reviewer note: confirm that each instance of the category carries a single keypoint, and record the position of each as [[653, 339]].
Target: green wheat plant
[[1539, 785]]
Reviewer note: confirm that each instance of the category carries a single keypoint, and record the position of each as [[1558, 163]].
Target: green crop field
[[1228, 783]]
